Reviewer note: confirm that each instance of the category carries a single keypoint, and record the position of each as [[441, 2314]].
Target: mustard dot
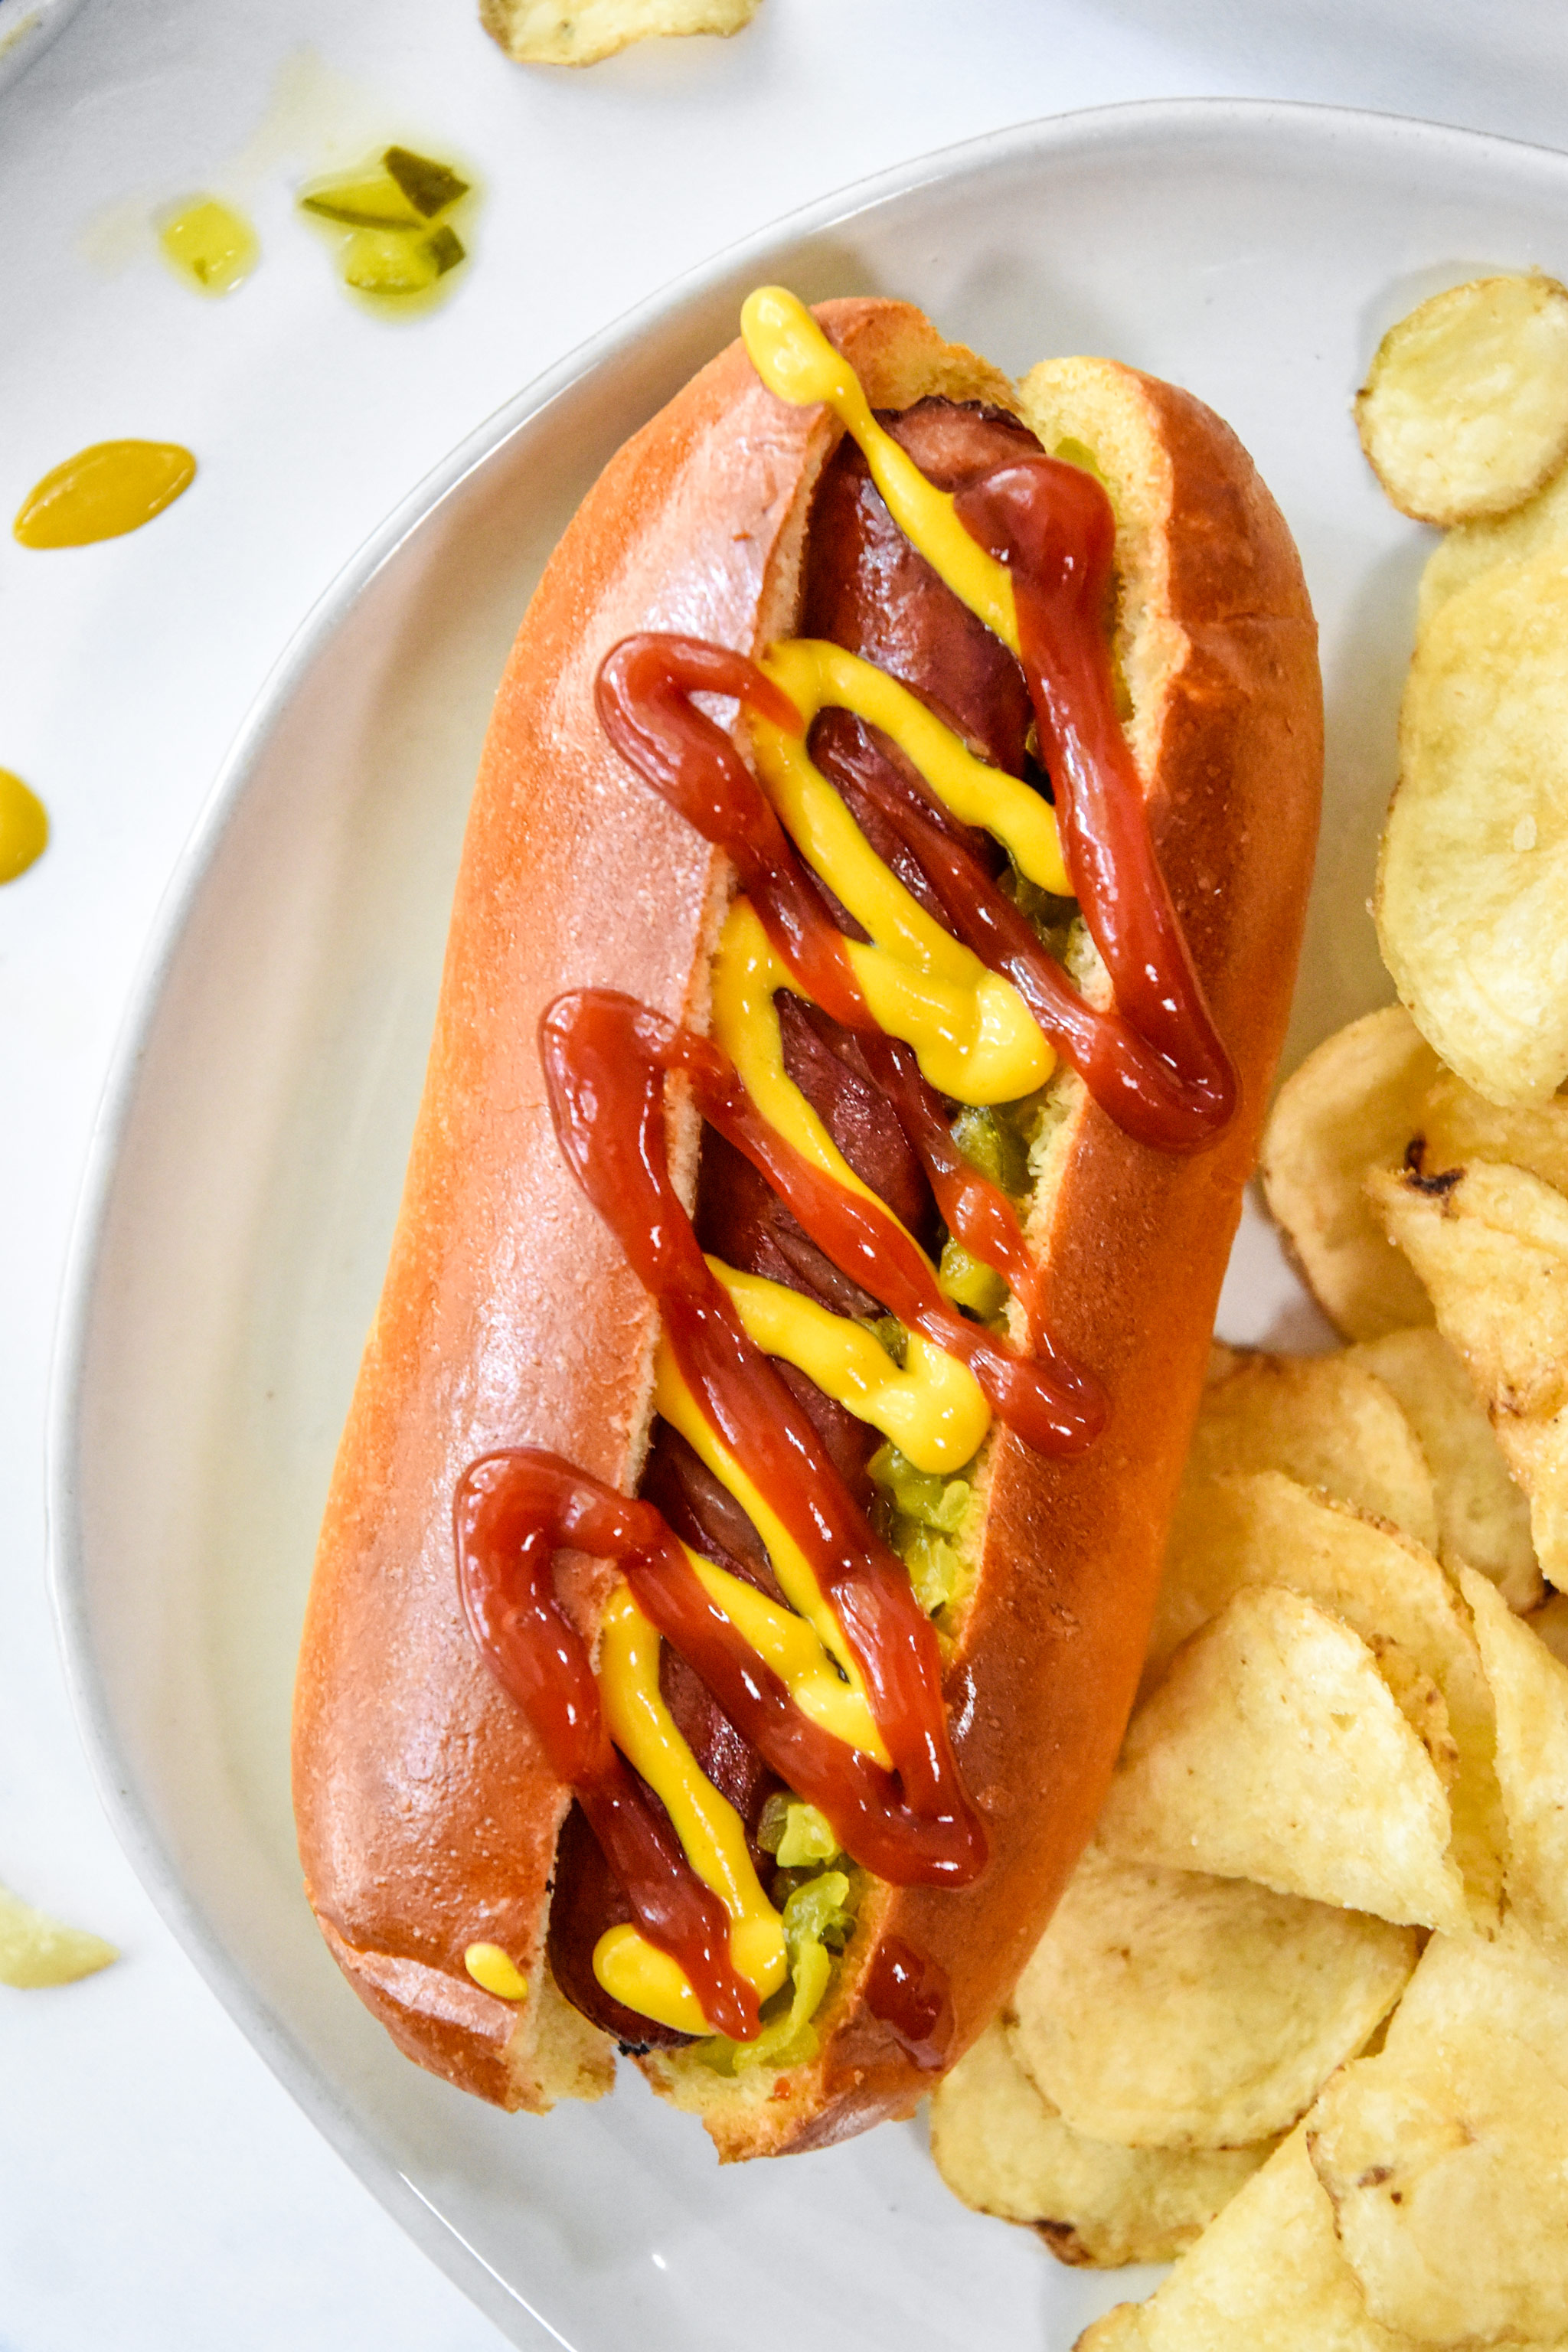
[[494, 1971], [24, 827]]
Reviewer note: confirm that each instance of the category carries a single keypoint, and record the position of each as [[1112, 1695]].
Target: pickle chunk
[[377, 261], [430, 187], [399, 246], [211, 243], [373, 201]]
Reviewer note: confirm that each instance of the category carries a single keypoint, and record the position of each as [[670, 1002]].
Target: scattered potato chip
[[1002, 2150], [1163, 2009], [1275, 1751], [1353, 1105], [1491, 1245], [1325, 1421], [1461, 555], [1465, 408], [36, 1950], [581, 32], [1443, 2156], [1483, 1520], [1267, 2276], [1530, 1689], [1472, 889]]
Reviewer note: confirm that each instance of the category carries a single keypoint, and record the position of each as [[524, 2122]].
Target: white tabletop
[[157, 2189]]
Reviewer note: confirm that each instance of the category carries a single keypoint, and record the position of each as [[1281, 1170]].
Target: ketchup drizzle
[[515, 1510], [604, 1055], [643, 698], [1052, 525], [511, 1513]]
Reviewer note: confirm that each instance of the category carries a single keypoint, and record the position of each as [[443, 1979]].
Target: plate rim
[[1087, 129]]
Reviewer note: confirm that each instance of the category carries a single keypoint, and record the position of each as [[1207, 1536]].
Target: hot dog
[[754, 1495]]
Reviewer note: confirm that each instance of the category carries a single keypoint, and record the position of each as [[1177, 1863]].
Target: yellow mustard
[[103, 492], [816, 674], [796, 1578], [932, 1409], [630, 1968], [797, 361], [973, 1035], [24, 827], [496, 1971]]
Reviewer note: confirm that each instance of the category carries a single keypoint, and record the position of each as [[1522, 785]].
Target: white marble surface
[[157, 2190]]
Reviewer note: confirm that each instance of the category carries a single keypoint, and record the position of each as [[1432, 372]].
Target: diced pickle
[[815, 1913], [446, 249], [994, 1145], [934, 1566], [969, 1282], [211, 243], [379, 261], [818, 1920], [371, 200], [429, 186], [803, 1835], [891, 1334], [920, 1495], [1078, 453]]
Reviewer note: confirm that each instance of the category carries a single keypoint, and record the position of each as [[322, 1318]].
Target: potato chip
[[36, 1950], [1275, 1751], [1472, 889], [581, 32], [1163, 2009], [1483, 1520], [1530, 1689], [1491, 1245], [1443, 2156], [1461, 555], [1266, 1530], [1325, 1421], [1268, 2276], [1457, 1124], [1353, 1105], [1465, 408], [1002, 2150], [1121, 2329]]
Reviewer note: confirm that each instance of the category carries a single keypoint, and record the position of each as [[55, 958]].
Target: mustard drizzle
[[976, 1041]]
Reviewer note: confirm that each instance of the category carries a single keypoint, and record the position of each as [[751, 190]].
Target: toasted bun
[[427, 1818]]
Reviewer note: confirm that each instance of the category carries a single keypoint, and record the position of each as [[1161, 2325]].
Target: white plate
[[26, 29], [248, 1158]]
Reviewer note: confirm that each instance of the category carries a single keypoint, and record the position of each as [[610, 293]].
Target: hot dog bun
[[427, 1818]]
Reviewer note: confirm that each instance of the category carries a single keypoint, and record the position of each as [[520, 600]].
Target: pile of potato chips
[[1339, 1822], [1301, 2018]]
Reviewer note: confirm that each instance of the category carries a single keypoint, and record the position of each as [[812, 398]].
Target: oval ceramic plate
[[249, 1160]]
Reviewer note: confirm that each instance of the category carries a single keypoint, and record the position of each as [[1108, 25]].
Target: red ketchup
[[1152, 1062]]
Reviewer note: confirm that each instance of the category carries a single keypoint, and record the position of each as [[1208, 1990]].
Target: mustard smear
[[103, 492]]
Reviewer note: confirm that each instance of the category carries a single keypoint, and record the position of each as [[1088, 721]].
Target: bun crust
[[427, 1818]]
